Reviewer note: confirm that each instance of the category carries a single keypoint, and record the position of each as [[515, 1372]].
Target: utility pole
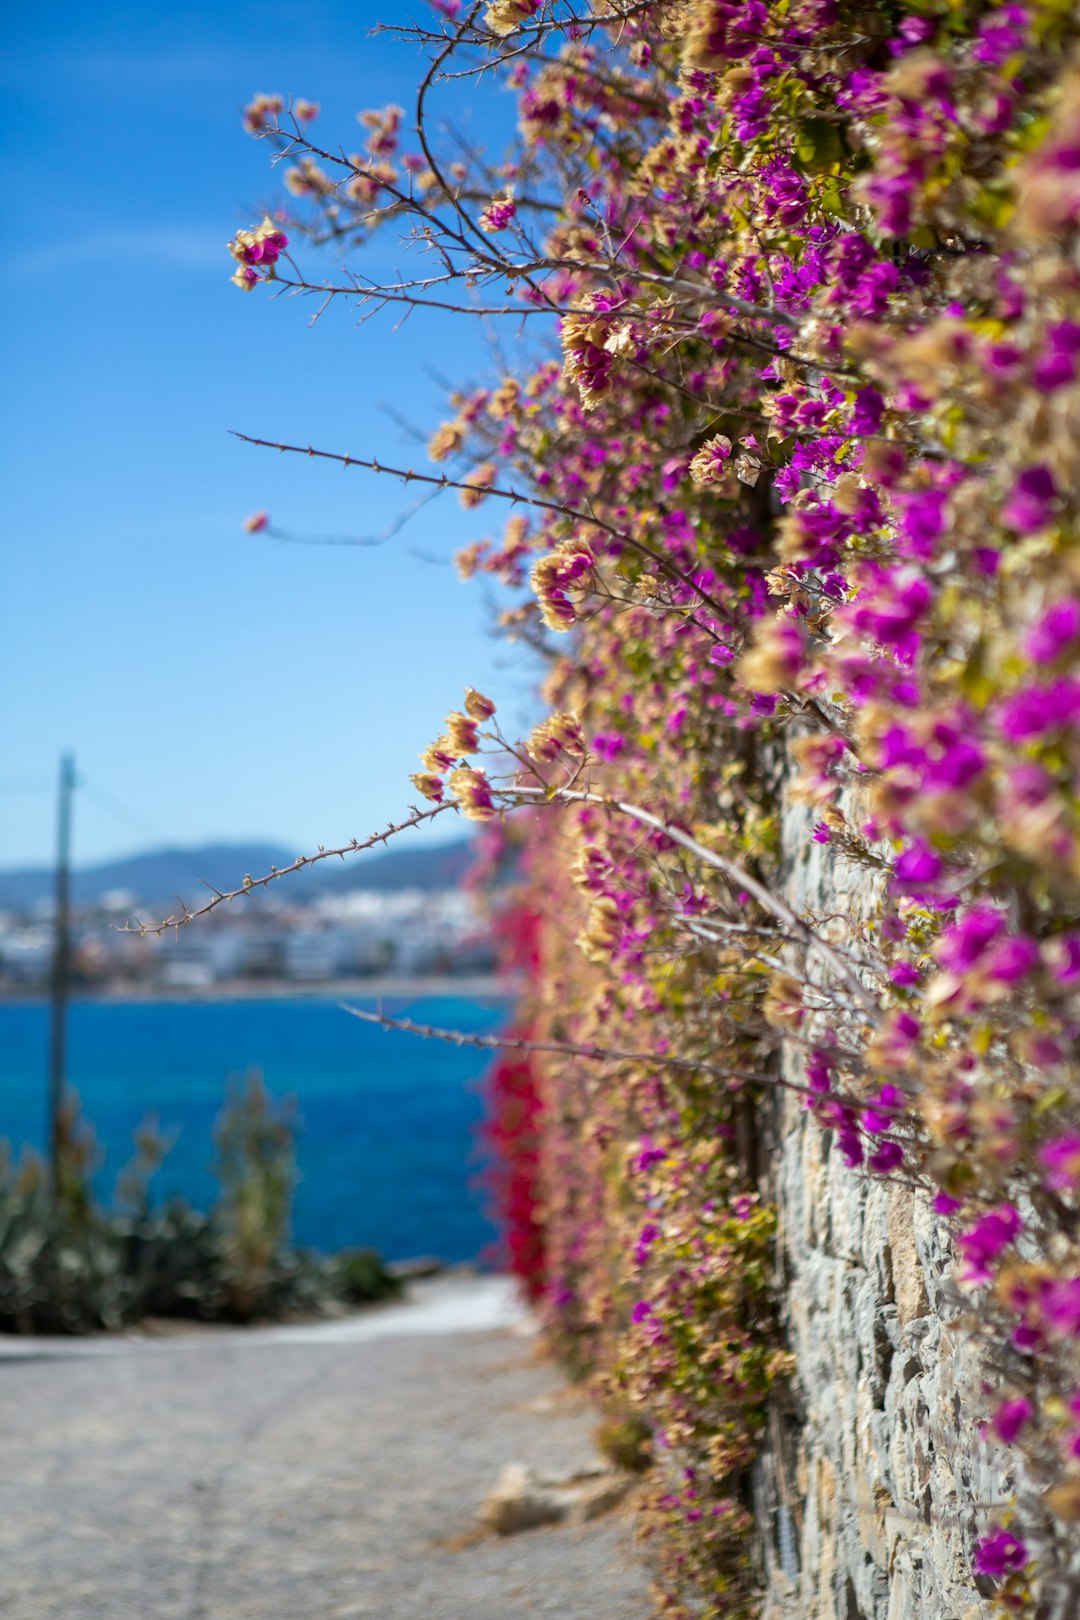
[[61, 974]]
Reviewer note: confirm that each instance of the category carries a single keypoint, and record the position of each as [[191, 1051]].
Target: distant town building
[[408, 931]]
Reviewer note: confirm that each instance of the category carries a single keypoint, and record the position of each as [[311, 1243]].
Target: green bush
[[626, 1440], [68, 1266]]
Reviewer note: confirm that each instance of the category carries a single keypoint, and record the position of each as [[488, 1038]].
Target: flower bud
[[477, 705], [461, 734], [429, 785], [472, 793]]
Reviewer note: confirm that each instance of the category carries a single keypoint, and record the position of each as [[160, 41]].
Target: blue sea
[[388, 1145]]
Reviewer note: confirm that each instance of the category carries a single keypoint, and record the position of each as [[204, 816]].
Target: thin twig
[[594, 1052], [516, 497], [353, 847]]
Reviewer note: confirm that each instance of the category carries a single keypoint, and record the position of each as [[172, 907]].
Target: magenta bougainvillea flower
[[1036, 710], [965, 943], [922, 522], [1062, 1160], [998, 1553], [498, 214], [889, 1156], [888, 609], [1055, 632], [648, 1156], [647, 1236], [1012, 959], [790, 478], [1010, 1417], [984, 1241], [1060, 1304], [881, 1114], [1030, 505]]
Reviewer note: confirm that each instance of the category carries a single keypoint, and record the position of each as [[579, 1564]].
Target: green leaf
[[819, 144]]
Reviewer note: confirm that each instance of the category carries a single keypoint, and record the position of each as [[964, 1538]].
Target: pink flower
[[1031, 501], [917, 865], [850, 1146], [1056, 365], [998, 1553], [889, 1098], [1013, 959], [498, 214], [1010, 1418], [867, 412], [966, 941], [647, 1236], [1067, 958], [889, 606], [1058, 628], [1035, 710], [1061, 1307], [607, 745], [922, 522], [913, 30], [819, 1075], [986, 1239], [1062, 1160], [885, 1158], [649, 1155]]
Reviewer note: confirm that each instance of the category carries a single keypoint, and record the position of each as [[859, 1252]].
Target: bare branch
[[250, 884], [393, 528], [593, 1052], [709, 857], [517, 498]]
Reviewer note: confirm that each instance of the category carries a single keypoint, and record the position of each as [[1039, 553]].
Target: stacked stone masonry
[[876, 1480]]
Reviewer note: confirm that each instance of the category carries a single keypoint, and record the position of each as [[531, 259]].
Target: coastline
[[468, 987]]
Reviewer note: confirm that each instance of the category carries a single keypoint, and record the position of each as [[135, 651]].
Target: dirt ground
[[303, 1473]]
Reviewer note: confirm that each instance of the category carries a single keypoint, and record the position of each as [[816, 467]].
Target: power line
[[133, 819], [112, 805]]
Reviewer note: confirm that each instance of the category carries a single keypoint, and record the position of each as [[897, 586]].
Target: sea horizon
[[372, 987], [389, 1144]]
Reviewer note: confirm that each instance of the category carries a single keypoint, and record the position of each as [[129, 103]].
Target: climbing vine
[[791, 514]]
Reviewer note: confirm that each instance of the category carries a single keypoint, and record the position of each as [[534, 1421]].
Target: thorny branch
[[516, 497], [594, 1052], [250, 884], [523, 794]]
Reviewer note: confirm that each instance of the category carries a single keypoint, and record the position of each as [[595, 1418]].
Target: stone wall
[[868, 1494]]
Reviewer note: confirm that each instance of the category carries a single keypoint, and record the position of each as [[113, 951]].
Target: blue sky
[[211, 684]]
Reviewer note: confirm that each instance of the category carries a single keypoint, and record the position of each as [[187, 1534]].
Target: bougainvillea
[[793, 513]]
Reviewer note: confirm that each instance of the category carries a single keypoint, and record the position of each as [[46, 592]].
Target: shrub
[[68, 1266]]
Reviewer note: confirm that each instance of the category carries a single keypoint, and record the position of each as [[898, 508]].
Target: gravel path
[[298, 1474]]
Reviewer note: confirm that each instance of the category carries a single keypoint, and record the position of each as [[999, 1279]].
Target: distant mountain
[[163, 874], [436, 866]]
